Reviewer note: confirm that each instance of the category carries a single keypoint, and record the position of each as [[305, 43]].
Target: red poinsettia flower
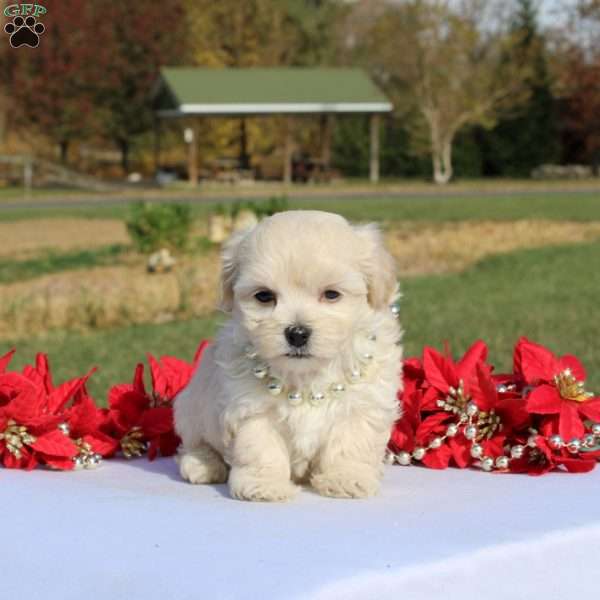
[[433, 426], [403, 432], [437, 379], [416, 428], [558, 388], [31, 408], [502, 412], [85, 422], [444, 375], [451, 382], [138, 421], [534, 461], [170, 375], [142, 420], [5, 360]]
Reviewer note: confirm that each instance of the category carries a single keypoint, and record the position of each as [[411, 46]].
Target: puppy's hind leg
[[202, 464]]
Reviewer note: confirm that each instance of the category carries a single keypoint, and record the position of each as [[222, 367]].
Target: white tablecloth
[[133, 530]]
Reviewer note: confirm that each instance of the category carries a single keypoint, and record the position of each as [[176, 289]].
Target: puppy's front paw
[[244, 484], [202, 465], [346, 484]]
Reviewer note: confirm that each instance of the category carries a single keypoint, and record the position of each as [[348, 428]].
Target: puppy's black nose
[[297, 335]]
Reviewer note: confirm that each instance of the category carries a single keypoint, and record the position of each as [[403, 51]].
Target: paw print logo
[[24, 32]]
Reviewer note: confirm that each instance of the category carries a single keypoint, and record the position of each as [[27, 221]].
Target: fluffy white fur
[[232, 428]]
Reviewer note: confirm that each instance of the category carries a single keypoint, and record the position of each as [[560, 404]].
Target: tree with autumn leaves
[[140, 44], [580, 90], [581, 109], [93, 73], [52, 86]]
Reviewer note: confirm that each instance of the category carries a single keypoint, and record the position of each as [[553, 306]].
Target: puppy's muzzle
[[297, 336]]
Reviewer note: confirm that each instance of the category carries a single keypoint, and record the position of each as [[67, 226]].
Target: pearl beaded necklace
[[295, 397]]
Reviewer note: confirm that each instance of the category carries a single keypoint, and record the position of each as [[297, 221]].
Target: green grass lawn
[[54, 262], [17, 192], [549, 294], [563, 207], [568, 206]]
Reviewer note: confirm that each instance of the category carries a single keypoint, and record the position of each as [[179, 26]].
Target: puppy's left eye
[[331, 295]]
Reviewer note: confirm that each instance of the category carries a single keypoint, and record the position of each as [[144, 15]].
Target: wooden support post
[[326, 129], [27, 176], [193, 154], [157, 133], [244, 158], [374, 150], [288, 147]]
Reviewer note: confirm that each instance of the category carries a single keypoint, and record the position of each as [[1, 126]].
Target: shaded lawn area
[[569, 207], [548, 294]]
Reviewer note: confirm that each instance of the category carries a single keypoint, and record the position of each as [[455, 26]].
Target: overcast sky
[[552, 11]]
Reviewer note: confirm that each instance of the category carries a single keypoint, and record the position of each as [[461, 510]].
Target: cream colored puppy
[[300, 384]]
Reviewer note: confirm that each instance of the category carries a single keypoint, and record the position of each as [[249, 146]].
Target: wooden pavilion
[[193, 93]]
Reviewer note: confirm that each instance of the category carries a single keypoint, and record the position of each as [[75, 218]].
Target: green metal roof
[[185, 91]]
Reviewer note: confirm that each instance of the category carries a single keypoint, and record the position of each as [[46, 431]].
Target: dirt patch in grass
[[451, 247], [108, 297], [27, 238]]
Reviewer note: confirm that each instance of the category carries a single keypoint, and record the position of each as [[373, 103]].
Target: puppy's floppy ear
[[230, 267], [378, 267]]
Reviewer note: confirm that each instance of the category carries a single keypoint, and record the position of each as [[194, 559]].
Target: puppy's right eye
[[265, 296]]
